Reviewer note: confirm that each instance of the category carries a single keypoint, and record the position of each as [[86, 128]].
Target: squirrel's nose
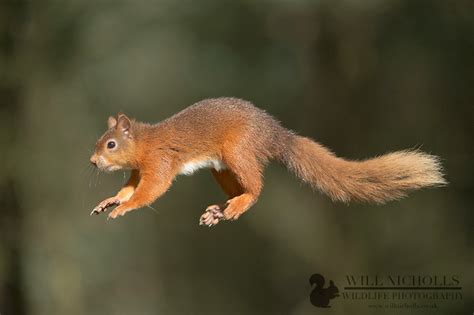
[[93, 160]]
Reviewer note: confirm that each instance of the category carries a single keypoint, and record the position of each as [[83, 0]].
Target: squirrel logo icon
[[320, 296]]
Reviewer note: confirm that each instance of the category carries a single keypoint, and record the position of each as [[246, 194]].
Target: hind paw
[[212, 216]]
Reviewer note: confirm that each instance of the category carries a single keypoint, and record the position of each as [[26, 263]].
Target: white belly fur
[[190, 167]]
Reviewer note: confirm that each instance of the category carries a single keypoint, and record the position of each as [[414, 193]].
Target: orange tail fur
[[378, 180]]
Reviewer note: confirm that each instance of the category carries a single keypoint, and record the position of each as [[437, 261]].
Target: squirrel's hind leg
[[231, 187], [228, 182], [242, 182]]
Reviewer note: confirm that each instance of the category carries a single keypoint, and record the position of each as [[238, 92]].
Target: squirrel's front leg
[[150, 188], [123, 195]]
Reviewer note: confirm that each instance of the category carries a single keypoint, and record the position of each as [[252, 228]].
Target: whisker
[[91, 173], [96, 177], [156, 211], [84, 170]]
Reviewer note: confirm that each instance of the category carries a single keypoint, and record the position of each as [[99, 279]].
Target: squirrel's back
[[231, 121]]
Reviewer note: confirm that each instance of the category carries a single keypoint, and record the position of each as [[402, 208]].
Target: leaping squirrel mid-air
[[236, 140]]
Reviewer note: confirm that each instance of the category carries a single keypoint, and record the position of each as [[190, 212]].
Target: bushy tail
[[378, 180]]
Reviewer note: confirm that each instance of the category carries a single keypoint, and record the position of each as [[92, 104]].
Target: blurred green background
[[362, 77]]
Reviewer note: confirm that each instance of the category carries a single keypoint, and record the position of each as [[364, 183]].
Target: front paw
[[119, 211], [107, 203]]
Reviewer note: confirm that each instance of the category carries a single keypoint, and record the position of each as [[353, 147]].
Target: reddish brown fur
[[245, 138]]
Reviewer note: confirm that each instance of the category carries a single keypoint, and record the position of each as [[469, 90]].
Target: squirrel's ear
[[111, 122], [124, 123]]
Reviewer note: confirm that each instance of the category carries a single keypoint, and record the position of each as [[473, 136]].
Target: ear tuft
[[111, 122], [124, 123]]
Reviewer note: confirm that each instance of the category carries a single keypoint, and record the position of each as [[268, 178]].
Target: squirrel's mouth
[[104, 165], [111, 168]]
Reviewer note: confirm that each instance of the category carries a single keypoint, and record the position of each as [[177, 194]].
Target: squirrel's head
[[317, 279], [115, 150]]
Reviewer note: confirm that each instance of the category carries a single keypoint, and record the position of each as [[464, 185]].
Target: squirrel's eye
[[111, 144]]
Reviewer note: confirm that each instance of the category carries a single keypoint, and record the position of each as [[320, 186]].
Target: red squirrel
[[235, 140]]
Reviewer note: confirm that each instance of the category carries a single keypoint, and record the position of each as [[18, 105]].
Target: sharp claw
[[211, 216], [102, 207]]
